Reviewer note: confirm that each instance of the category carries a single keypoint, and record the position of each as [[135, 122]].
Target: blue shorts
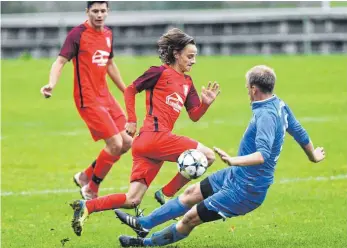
[[230, 198]]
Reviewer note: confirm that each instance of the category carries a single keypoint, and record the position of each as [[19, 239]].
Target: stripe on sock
[[94, 163], [96, 179]]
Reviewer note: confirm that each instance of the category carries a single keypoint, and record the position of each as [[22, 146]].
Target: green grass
[[44, 142], [338, 3]]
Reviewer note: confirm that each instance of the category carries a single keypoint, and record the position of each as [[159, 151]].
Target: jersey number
[[284, 117]]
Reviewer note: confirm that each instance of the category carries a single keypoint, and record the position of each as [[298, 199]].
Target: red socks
[[175, 185], [103, 165], [89, 170], [105, 203]]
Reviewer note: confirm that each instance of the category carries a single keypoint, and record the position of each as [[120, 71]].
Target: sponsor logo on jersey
[[100, 57], [175, 101]]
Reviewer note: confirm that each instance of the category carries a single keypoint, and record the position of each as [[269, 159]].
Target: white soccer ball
[[192, 164]]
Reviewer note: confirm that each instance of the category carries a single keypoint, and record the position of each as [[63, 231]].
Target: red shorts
[[103, 121], [151, 149]]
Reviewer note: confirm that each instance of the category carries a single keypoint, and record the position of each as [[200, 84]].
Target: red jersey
[[167, 92], [90, 51]]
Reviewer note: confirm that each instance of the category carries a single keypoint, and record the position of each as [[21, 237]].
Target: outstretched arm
[[54, 75], [113, 72], [264, 139], [252, 159], [301, 136], [314, 155], [197, 109]]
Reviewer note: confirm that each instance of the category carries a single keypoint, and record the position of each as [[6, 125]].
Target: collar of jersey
[[90, 28], [170, 68], [257, 104]]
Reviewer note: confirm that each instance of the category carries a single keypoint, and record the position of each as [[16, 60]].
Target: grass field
[[44, 142]]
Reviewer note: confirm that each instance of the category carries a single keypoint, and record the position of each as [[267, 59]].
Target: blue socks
[[166, 236], [170, 210]]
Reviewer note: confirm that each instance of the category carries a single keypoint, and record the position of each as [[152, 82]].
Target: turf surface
[[44, 142]]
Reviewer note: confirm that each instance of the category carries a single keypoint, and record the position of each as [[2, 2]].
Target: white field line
[[64, 191], [294, 180]]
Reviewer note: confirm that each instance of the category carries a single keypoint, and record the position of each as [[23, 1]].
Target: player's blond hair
[[174, 40], [263, 77]]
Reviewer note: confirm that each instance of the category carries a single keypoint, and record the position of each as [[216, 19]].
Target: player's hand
[[209, 94], [46, 91], [130, 128], [318, 154], [223, 156]]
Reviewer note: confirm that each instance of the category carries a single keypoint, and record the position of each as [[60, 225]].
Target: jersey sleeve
[[195, 108], [129, 99], [192, 100], [295, 129], [149, 79], [111, 53], [265, 135], [71, 44], [146, 81]]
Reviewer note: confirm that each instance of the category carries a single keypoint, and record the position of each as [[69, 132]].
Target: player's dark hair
[[90, 3], [174, 40], [263, 77]]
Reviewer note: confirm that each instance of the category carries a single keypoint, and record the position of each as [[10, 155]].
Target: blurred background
[[38, 29]]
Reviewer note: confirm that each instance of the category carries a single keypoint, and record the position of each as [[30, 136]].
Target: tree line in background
[[8, 7]]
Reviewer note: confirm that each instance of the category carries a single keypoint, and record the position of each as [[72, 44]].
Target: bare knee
[[191, 196], [114, 145], [191, 220], [127, 142], [187, 220]]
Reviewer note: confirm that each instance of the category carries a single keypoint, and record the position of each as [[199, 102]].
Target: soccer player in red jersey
[[89, 45], [168, 90]]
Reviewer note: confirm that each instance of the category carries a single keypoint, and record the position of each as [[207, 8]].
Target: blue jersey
[[265, 134]]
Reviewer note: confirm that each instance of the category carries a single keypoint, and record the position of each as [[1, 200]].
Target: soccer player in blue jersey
[[239, 188]]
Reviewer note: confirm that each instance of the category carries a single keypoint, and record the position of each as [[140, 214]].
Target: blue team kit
[[241, 189]]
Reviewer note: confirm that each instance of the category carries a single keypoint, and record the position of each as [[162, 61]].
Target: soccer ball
[[192, 164]]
